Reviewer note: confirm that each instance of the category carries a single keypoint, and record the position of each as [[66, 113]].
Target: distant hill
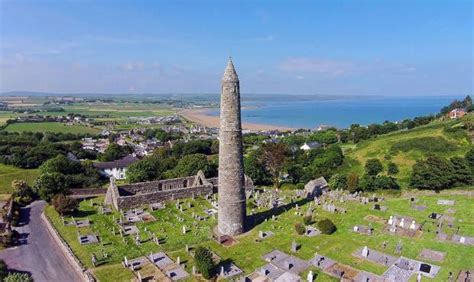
[[442, 138]]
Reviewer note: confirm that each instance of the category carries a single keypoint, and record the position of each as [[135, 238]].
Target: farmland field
[[10, 173], [54, 127]]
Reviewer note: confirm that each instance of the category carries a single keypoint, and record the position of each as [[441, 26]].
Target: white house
[[310, 145], [117, 168]]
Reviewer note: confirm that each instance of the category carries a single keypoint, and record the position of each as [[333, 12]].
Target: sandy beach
[[199, 116]]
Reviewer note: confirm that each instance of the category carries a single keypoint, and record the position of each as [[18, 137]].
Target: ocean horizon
[[340, 113]]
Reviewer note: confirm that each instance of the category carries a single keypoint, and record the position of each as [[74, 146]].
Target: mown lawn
[[10, 173], [247, 252], [54, 127]]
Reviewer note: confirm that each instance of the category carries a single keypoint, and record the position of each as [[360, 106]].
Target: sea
[[310, 113]]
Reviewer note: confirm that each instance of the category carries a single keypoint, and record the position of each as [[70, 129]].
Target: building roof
[[122, 163], [318, 182]]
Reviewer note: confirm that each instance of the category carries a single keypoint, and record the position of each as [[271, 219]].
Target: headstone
[[418, 278], [178, 260], [310, 277], [356, 228], [125, 260], [365, 251], [194, 270], [413, 225], [184, 229], [390, 220], [402, 223], [462, 240], [294, 246], [222, 271]]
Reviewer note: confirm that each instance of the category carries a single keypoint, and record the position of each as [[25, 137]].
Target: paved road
[[38, 254]]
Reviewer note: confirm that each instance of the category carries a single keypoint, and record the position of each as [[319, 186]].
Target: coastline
[[199, 116]]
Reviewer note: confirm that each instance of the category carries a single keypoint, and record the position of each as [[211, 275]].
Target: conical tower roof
[[230, 74]]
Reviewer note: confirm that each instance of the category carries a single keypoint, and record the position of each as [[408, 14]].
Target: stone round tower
[[232, 209]]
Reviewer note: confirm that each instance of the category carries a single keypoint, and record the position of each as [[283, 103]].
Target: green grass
[[247, 252], [404, 148], [10, 173], [54, 127]]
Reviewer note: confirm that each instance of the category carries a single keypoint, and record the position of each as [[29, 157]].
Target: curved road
[[38, 254]]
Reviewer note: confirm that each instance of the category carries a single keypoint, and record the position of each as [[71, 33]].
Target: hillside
[[442, 138]]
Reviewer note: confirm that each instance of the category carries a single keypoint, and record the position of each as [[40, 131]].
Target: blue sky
[[409, 47]]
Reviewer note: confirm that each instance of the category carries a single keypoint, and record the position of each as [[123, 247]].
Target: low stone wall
[[88, 191], [71, 257], [128, 202]]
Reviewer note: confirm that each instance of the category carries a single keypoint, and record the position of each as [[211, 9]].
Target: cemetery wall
[[69, 254]]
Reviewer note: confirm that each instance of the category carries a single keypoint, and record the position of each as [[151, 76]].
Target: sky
[[330, 47]]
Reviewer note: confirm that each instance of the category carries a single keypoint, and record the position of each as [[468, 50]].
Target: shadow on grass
[[260, 217]]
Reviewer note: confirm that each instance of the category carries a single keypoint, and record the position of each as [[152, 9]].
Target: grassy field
[[10, 173], [405, 147], [54, 127], [247, 252]]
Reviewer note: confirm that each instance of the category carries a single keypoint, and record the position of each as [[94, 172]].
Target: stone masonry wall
[[128, 202]]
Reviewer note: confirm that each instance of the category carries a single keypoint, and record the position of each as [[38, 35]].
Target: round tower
[[232, 209]]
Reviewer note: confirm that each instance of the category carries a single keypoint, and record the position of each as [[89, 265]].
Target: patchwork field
[[10, 173], [247, 253], [54, 127], [405, 147]]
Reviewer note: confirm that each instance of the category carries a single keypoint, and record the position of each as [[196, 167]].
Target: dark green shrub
[[326, 226], [204, 262], [3, 270], [299, 228]]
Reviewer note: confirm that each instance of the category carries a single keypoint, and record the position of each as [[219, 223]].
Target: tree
[[255, 169], [47, 185], [274, 156], [462, 172], [23, 193], [470, 158], [392, 168], [204, 262], [432, 173], [63, 204], [62, 165], [373, 167], [353, 182], [114, 152], [338, 181], [3, 270], [143, 170], [326, 226], [191, 164]]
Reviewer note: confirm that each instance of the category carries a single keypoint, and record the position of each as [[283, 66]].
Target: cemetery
[[157, 240]]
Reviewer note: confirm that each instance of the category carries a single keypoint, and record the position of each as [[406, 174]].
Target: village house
[[457, 113], [310, 145], [116, 169]]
